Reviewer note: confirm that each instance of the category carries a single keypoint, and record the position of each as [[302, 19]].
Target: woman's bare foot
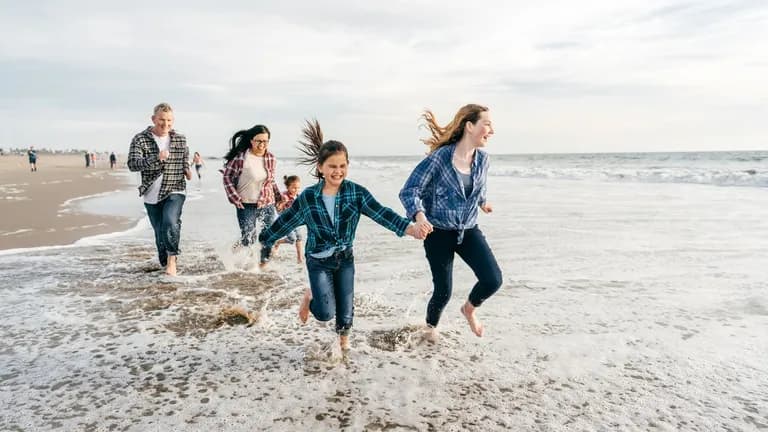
[[304, 307], [344, 342], [170, 269], [430, 334], [469, 313]]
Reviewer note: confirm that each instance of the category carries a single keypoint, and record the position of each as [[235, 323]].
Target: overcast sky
[[559, 76]]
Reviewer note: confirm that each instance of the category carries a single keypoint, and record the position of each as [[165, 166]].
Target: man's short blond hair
[[164, 107]]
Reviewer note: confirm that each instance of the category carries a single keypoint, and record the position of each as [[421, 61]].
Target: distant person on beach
[[292, 188], [32, 155], [87, 160], [112, 160], [249, 181], [446, 189], [197, 161], [93, 160], [331, 210], [162, 156]]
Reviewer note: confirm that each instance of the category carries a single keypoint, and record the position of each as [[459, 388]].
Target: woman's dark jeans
[[332, 281], [249, 216], [440, 247]]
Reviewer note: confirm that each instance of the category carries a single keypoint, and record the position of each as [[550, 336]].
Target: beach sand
[[37, 208]]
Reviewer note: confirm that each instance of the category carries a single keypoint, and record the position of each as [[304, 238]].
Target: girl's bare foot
[[469, 313], [170, 268], [344, 342], [304, 307]]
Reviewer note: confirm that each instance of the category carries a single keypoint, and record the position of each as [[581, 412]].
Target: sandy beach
[[38, 207]]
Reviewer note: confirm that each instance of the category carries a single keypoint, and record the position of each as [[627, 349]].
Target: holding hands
[[421, 228]]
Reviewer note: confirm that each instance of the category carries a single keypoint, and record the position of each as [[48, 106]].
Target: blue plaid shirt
[[435, 189], [322, 234]]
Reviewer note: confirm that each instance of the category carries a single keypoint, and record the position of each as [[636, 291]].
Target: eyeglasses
[[257, 142]]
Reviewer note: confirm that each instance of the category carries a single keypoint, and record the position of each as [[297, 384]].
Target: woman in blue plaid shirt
[[446, 189], [331, 210]]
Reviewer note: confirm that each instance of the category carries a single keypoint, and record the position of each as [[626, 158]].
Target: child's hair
[[453, 131], [288, 180], [315, 150]]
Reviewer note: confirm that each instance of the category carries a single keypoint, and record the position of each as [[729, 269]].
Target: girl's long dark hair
[[315, 151], [241, 140]]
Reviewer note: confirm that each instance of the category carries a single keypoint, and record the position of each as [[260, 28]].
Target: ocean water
[[635, 297]]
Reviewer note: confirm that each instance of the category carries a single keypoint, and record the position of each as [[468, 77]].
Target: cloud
[[364, 68]]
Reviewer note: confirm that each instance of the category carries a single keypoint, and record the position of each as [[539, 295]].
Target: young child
[[331, 210], [292, 187]]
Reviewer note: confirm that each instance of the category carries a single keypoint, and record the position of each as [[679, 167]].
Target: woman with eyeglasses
[[249, 181]]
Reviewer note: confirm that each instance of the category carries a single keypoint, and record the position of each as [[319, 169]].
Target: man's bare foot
[[344, 342], [430, 334], [304, 307], [170, 269], [469, 313]]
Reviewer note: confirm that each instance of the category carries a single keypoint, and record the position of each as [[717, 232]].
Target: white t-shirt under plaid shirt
[[163, 143]]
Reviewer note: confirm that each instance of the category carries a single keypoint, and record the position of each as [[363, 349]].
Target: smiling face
[[163, 121], [259, 144], [480, 131], [293, 188], [334, 169]]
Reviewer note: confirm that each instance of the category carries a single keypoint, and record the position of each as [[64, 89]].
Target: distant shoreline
[[36, 205]]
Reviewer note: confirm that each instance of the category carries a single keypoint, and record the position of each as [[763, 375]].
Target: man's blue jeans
[[332, 281], [165, 217]]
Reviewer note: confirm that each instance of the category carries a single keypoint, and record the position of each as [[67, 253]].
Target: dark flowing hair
[[315, 150], [453, 131], [241, 140]]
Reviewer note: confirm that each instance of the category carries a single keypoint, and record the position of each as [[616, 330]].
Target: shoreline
[[40, 208]]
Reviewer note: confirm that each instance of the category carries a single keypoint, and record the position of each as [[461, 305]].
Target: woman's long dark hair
[[241, 140], [315, 151]]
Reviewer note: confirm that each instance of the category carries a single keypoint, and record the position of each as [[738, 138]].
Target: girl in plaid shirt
[[447, 189], [331, 210]]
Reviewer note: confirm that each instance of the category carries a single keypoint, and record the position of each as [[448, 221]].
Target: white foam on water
[[18, 231], [625, 306], [67, 206]]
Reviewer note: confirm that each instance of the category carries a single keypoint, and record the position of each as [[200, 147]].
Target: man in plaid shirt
[[162, 156]]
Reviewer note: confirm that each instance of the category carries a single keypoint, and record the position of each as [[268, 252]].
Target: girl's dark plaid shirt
[[144, 156], [352, 200]]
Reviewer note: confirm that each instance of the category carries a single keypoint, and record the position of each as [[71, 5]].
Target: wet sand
[[35, 205]]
